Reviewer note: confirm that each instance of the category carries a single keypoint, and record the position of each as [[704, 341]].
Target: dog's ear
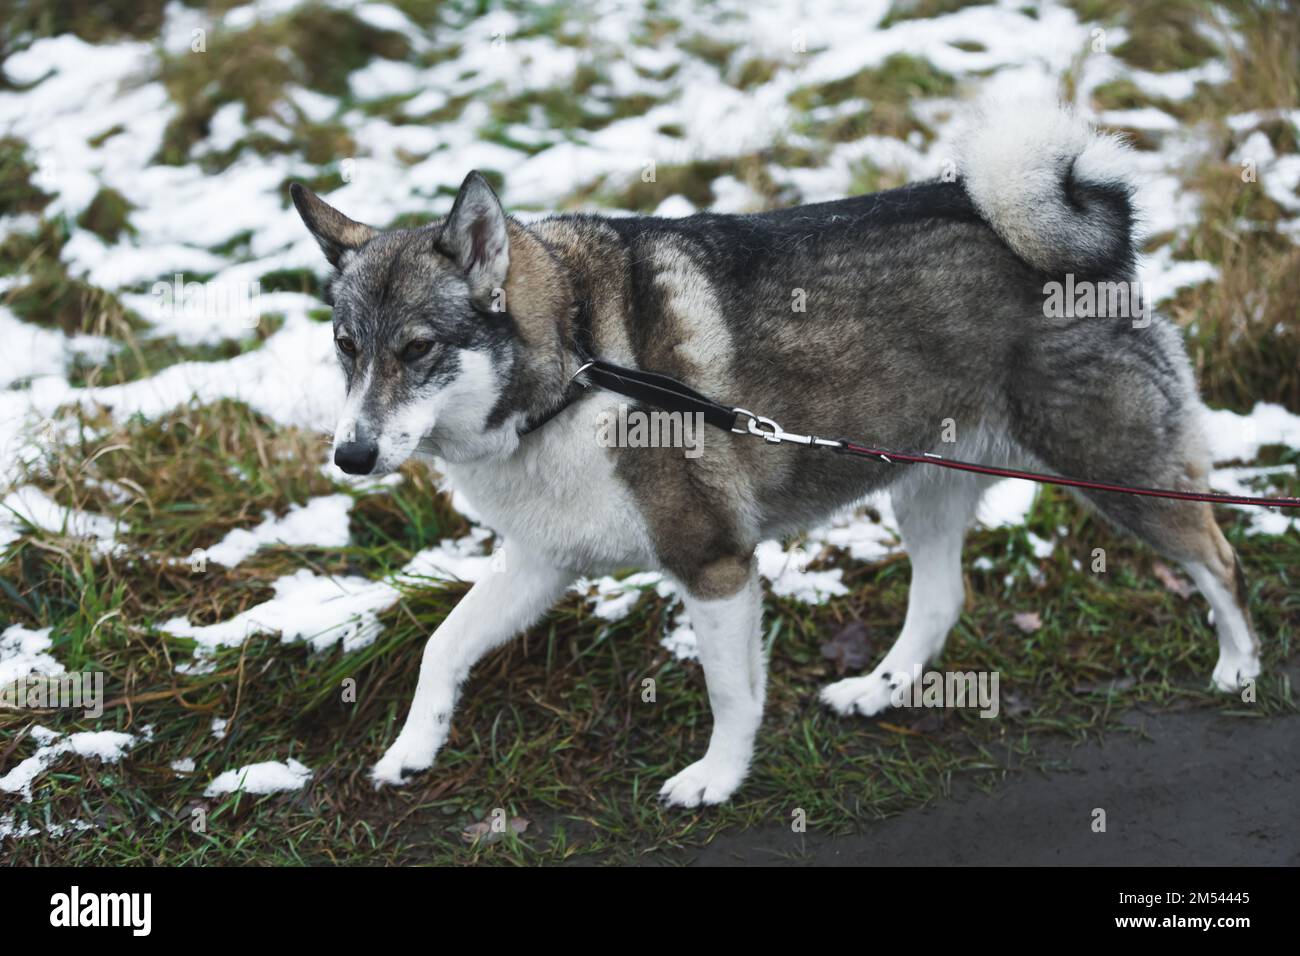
[[335, 232], [474, 237]]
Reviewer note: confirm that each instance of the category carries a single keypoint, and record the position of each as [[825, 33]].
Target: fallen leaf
[[1013, 705], [475, 831], [849, 649], [1172, 581], [1027, 621], [482, 831]]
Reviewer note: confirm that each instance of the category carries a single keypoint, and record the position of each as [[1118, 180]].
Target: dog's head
[[422, 331]]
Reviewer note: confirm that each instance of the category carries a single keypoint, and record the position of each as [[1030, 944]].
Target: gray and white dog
[[919, 304]]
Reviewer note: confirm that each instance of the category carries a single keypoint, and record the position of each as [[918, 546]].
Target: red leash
[[770, 431], [890, 457]]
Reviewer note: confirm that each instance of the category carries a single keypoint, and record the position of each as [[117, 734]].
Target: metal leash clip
[[774, 434]]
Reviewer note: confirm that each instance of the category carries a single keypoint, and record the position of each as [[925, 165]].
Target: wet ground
[[1182, 789]]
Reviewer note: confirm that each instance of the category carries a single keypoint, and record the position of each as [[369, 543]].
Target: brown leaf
[[849, 649], [1172, 581], [483, 830], [1013, 705], [1027, 621], [475, 831]]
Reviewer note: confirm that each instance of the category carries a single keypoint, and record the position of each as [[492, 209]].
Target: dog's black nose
[[356, 457]]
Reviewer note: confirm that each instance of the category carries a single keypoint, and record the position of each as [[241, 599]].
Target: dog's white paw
[[705, 781], [867, 696], [1234, 670], [408, 754]]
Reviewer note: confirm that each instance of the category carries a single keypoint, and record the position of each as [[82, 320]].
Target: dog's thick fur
[[921, 304]]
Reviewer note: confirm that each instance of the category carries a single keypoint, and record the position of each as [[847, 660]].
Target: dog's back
[[892, 317]]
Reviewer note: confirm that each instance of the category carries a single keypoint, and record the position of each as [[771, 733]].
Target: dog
[[922, 307]]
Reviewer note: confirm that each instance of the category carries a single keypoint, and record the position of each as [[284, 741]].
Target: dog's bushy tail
[[1058, 192]]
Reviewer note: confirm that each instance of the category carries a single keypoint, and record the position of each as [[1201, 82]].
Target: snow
[[32, 350], [1162, 277], [1240, 481], [9, 827], [1007, 503], [1234, 437], [321, 523], [31, 505], [328, 610], [268, 777], [307, 607], [788, 577], [24, 652], [107, 746], [1041, 547]]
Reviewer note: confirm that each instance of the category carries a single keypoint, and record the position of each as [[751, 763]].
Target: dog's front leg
[[729, 633], [499, 606]]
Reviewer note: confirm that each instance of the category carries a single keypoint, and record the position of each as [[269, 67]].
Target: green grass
[[45, 293], [18, 192], [139, 358], [889, 91], [107, 216], [95, 21], [313, 45]]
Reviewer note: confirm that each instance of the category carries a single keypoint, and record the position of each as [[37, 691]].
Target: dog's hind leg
[[498, 607], [1219, 577], [934, 509], [728, 630], [1186, 532], [1128, 414]]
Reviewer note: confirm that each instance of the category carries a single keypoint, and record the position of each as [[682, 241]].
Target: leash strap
[[660, 391], [890, 457], [668, 394], [651, 388]]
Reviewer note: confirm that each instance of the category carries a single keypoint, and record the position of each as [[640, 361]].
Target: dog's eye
[[346, 345], [416, 349]]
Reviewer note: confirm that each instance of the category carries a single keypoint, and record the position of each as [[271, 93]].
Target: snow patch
[[268, 777]]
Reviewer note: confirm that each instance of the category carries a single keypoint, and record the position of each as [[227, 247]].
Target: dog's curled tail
[[1058, 192]]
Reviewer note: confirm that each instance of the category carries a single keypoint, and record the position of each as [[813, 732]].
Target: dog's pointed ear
[[335, 232], [474, 237]]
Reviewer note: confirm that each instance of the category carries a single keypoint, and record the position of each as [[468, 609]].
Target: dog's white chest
[[558, 497]]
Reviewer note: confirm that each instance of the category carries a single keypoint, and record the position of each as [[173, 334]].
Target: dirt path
[[1204, 789]]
